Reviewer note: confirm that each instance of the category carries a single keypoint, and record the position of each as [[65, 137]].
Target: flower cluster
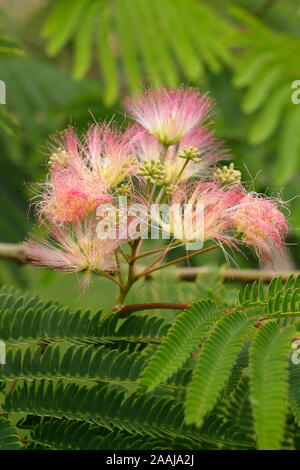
[[169, 155]]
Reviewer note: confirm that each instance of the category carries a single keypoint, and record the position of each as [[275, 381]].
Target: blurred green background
[[73, 61]]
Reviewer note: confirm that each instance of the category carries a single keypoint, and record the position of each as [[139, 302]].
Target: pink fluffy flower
[[73, 248], [261, 225], [69, 196], [82, 172], [216, 202], [169, 114], [108, 154], [103, 154], [146, 147], [213, 202]]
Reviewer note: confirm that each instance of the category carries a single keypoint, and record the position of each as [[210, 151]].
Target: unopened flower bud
[[190, 153], [124, 190], [132, 161], [171, 188], [153, 171], [59, 158], [228, 175]]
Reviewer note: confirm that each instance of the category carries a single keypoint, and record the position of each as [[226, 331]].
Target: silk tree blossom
[[169, 114], [108, 154], [103, 154], [216, 203], [213, 201], [81, 173], [145, 146], [260, 224], [167, 158], [69, 197], [73, 248], [148, 148]]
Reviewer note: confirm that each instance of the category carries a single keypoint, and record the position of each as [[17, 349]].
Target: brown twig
[[126, 310], [130, 276], [14, 251], [238, 275], [156, 250], [110, 277]]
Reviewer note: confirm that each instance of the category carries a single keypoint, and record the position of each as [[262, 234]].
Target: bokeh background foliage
[[73, 61]]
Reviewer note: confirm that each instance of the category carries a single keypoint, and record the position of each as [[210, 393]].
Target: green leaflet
[[247, 69], [24, 318], [267, 67], [89, 390], [183, 337], [294, 389], [62, 22], [238, 409], [289, 146], [268, 383], [262, 87], [278, 302], [269, 116], [141, 37], [83, 42], [9, 438], [128, 54], [64, 434], [217, 358], [74, 362], [8, 122], [137, 413], [106, 54]]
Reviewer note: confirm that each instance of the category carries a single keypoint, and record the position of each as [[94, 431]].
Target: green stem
[[181, 171]]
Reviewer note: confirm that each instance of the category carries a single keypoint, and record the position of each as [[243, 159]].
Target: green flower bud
[[171, 188], [190, 153], [58, 158], [228, 175], [124, 189], [153, 171]]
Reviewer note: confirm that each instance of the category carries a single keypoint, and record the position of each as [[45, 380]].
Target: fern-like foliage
[[71, 435], [73, 362], [24, 318], [277, 302], [78, 380], [182, 339], [269, 385], [140, 36], [216, 361], [9, 438], [268, 69], [137, 413], [158, 42], [294, 390]]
